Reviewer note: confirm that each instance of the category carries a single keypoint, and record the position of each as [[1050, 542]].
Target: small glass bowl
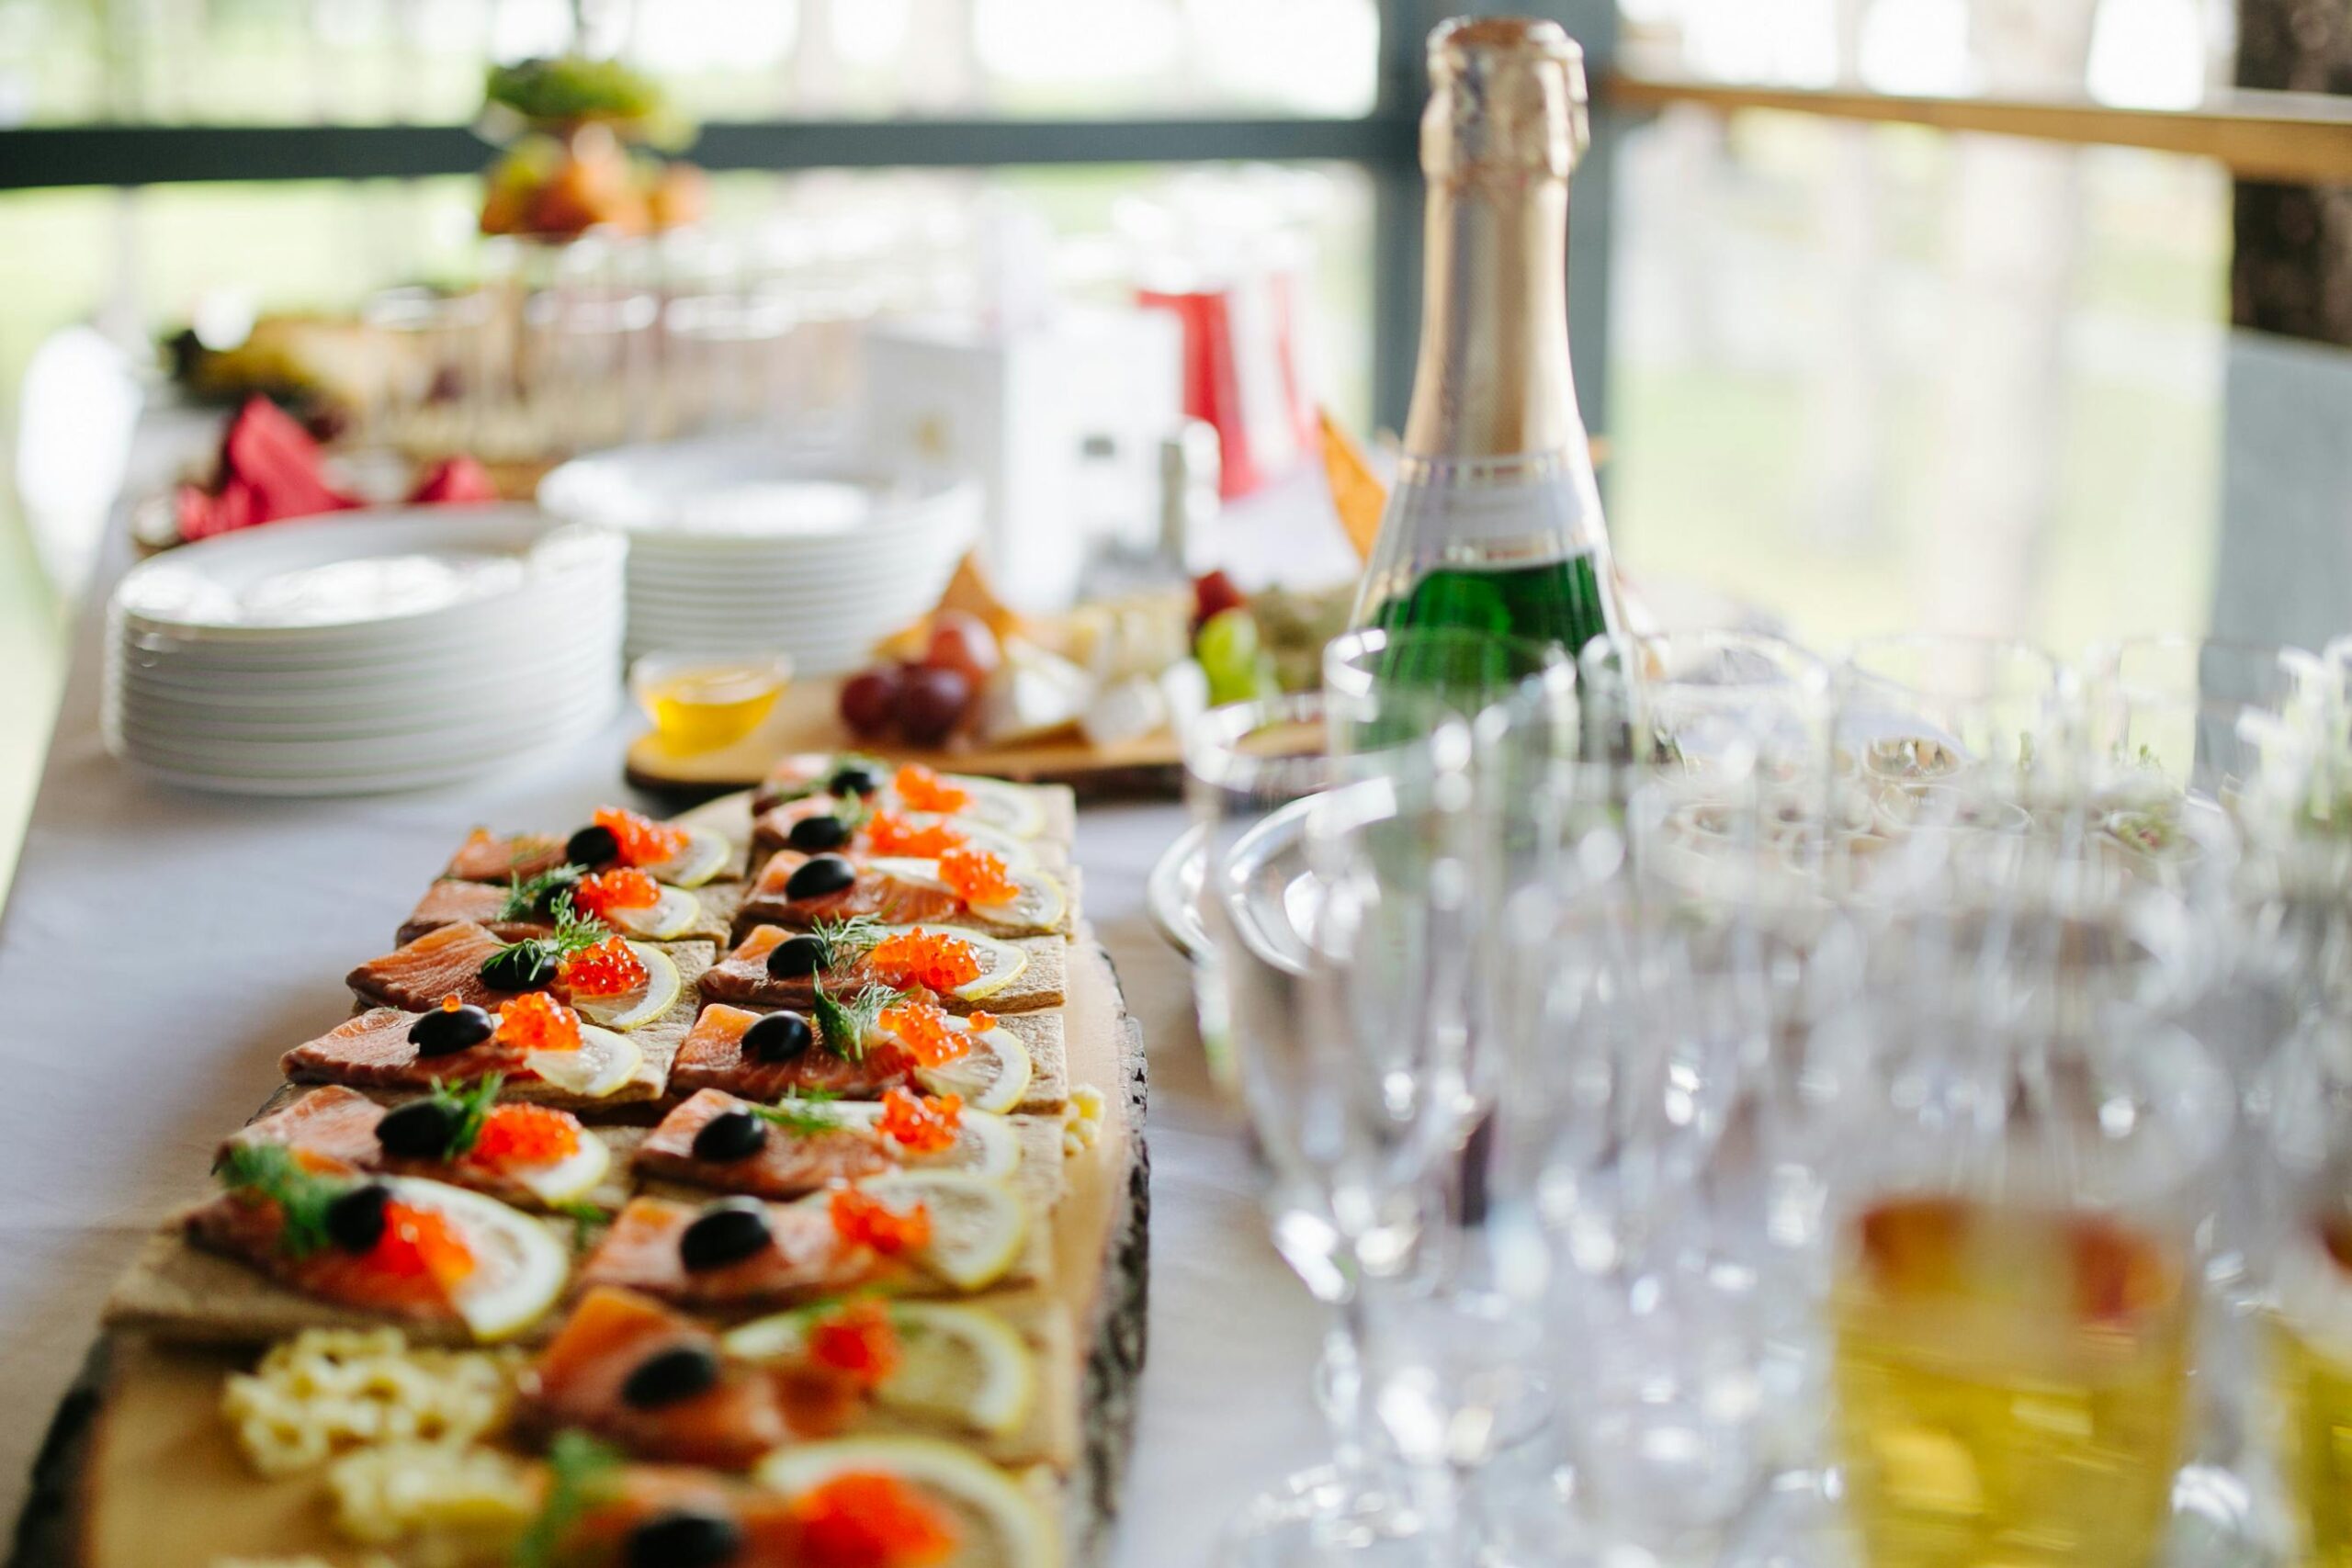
[[700, 702]]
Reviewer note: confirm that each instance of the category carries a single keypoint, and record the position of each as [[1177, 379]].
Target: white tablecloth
[[160, 949]]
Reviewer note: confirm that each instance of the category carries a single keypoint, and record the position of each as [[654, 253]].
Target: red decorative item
[[454, 481]]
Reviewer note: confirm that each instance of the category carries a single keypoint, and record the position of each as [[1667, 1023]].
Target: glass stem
[[1339, 1384]]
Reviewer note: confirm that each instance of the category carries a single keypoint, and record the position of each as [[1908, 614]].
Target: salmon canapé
[[449, 902], [786, 1058], [777, 897], [523, 1154], [737, 1254], [734, 1146], [373, 1050], [419, 974]]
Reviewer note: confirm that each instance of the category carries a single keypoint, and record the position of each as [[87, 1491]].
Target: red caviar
[[932, 960], [525, 1134], [923, 1030], [867, 1519], [537, 1021], [858, 1340], [919, 1124], [891, 835], [611, 968], [977, 877], [920, 789], [862, 1220], [643, 840], [419, 1244], [604, 892]]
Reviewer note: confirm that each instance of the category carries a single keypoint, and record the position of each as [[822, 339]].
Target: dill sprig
[[580, 1472], [473, 1102], [572, 933], [847, 941], [303, 1197], [799, 1114], [584, 1217], [842, 1025], [529, 899]]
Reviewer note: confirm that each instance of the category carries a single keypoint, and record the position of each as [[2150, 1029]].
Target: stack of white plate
[[348, 655], [740, 545]]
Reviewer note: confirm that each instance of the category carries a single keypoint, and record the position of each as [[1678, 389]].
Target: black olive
[[444, 1029], [814, 833], [669, 1376], [422, 1129], [822, 875], [355, 1220], [795, 957], [554, 884], [523, 967], [778, 1037], [684, 1538], [591, 847], [726, 1233], [730, 1135], [853, 780]]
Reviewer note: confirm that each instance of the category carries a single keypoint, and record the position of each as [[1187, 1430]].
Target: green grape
[[1228, 649]]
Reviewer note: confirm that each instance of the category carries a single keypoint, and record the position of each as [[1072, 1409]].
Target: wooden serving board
[[805, 720], [140, 1471]]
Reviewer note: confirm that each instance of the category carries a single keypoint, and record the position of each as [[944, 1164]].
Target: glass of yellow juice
[[702, 702], [2311, 1374], [2012, 1383]]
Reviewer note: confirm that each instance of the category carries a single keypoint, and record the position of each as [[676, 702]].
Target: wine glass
[[1326, 986]]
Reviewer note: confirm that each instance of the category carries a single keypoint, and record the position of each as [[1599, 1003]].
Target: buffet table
[[159, 948]]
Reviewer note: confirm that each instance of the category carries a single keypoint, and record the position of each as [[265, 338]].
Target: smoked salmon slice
[[594, 1374], [343, 1125], [249, 1230], [453, 903], [886, 899], [333, 1123], [713, 1057], [373, 1050], [804, 1257], [742, 977], [497, 858], [439, 964], [793, 1158]]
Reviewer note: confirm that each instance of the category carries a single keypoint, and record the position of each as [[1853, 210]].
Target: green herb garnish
[[798, 1113], [472, 1103], [302, 1196], [584, 1217], [580, 1472], [529, 899], [842, 1025], [572, 933], [845, 942]]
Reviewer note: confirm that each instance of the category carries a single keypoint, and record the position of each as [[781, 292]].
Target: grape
[[931, 704], [1228, 650], [962, 642], [870, 699], [1213, 594]]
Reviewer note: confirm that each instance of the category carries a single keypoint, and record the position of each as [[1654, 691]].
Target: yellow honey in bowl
[[702, 707]]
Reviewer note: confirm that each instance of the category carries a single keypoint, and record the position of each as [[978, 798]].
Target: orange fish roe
[[923, 1124], [624, 888], [643, 840], [525, 1134], [977, 877], [923, 1030], [862, 1220], [537, 1021], [419, 1244], [859, 1340], [932, 960], [980, 1022], [611, 968], [889, 835], [920, 789], [867, 1519]]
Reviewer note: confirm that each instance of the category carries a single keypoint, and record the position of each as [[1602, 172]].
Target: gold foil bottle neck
[[1507, 96]]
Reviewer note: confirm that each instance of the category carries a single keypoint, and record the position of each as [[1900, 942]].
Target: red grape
[[931, 704], [870, 699], [1213, 592], [962, 642]]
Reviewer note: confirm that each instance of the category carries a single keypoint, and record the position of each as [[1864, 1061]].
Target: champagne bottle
[[1495, 523]]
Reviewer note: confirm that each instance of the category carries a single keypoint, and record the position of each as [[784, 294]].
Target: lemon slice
[[604, 1062], [984, 1143], [1038, 901], [704, 856], [564, 1179], [641, 1005], [1001, 965], [674, 911], [977, 1223], [957, 1363], [1003, 1526], [519, 1266], [1007, 808], [992, 1076]]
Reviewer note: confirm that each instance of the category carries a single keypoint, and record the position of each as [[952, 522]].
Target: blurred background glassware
[[444, 372], [1323, 990], [697, 703]]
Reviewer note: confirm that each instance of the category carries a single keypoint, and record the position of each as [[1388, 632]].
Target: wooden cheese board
[[804, 720], [141, 1471]]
